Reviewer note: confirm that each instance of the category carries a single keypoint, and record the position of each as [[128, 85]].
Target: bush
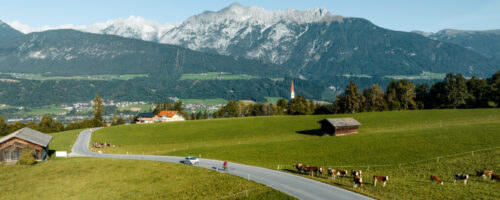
[[27, 157]]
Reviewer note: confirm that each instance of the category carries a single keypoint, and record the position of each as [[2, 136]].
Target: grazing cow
[[358, 181], [356, 173], [333, 173], [382, 179], [299, 167], [485, 173], [495, 177], [321, 170], [436, 179], [464, 177], [311, 170], [343, 172]]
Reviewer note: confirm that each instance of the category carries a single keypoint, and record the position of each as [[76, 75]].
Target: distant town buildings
[[163, 116]]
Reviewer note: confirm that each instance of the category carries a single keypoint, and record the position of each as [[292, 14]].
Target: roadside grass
[[63, 141], [93, 178], [211, 102], [385, 138]]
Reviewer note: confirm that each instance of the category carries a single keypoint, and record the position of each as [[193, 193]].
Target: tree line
[[455, 91]]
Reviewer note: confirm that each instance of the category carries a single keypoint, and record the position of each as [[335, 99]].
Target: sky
[[423, 15]]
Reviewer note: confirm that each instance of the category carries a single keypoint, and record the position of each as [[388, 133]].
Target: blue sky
[[426, 15]]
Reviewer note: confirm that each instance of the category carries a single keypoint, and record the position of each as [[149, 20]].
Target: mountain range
[[315, 44], [321, 49]]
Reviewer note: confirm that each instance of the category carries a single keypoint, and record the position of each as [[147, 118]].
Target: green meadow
[[63, 141], [104, 77], [216, 76], [386, 141], [211, 102], [93, 178]]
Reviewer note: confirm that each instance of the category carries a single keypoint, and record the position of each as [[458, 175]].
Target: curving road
[[296, 186]]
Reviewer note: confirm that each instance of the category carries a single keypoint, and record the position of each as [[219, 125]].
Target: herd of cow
[[356, 174], [99, 145], [358, 178], [484, 173]]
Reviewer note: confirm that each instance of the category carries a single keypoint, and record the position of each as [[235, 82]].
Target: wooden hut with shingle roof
[[13, 144], [339, 126]]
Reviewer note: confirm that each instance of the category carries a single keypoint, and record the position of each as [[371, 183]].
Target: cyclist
[[225, 165]]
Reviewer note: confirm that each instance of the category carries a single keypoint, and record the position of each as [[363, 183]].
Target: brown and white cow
[[485, 173], [311, 170], [358, 181], [343, 172], [333, 173], [299, 167], [495, 177], [321, 170], [436, 179], [464, 177], [382, 179], [355, 173]]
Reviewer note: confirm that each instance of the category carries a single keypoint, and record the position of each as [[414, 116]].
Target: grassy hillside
[[387, 138], [91, 178], [63, 141]]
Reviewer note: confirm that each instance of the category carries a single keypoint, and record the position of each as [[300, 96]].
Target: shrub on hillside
[[27, 157]]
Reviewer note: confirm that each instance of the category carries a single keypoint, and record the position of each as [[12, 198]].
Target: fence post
[[368, 168], [278, 167]]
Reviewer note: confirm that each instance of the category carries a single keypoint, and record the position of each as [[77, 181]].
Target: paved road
[[296, 186]]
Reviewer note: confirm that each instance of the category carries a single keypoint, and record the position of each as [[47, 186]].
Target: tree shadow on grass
[[314, 132]]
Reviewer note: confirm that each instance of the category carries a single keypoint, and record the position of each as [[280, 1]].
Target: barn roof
[[338, 122], [29, 135]]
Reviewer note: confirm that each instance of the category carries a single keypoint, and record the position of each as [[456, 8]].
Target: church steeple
[[292, 92]]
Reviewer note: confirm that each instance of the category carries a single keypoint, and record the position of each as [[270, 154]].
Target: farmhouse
[[169, 115], [12, 145], [146, 118], [339, 126]]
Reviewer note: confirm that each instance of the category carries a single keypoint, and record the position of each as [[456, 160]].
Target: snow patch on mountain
[[131, 27]]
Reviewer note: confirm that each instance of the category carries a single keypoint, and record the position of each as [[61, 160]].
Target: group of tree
[[198, 115], [47, 125], [297, 106], [455, 91]]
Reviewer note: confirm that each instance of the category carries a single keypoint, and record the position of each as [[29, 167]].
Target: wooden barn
[[339, 126], [11, 146]]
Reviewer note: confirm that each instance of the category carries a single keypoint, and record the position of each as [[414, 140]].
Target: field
[[216, 76], [63, 141], [386, 138], [211, 102], [423, 76], [92, 178], [42, 110], [143, 107], [105, 77]]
